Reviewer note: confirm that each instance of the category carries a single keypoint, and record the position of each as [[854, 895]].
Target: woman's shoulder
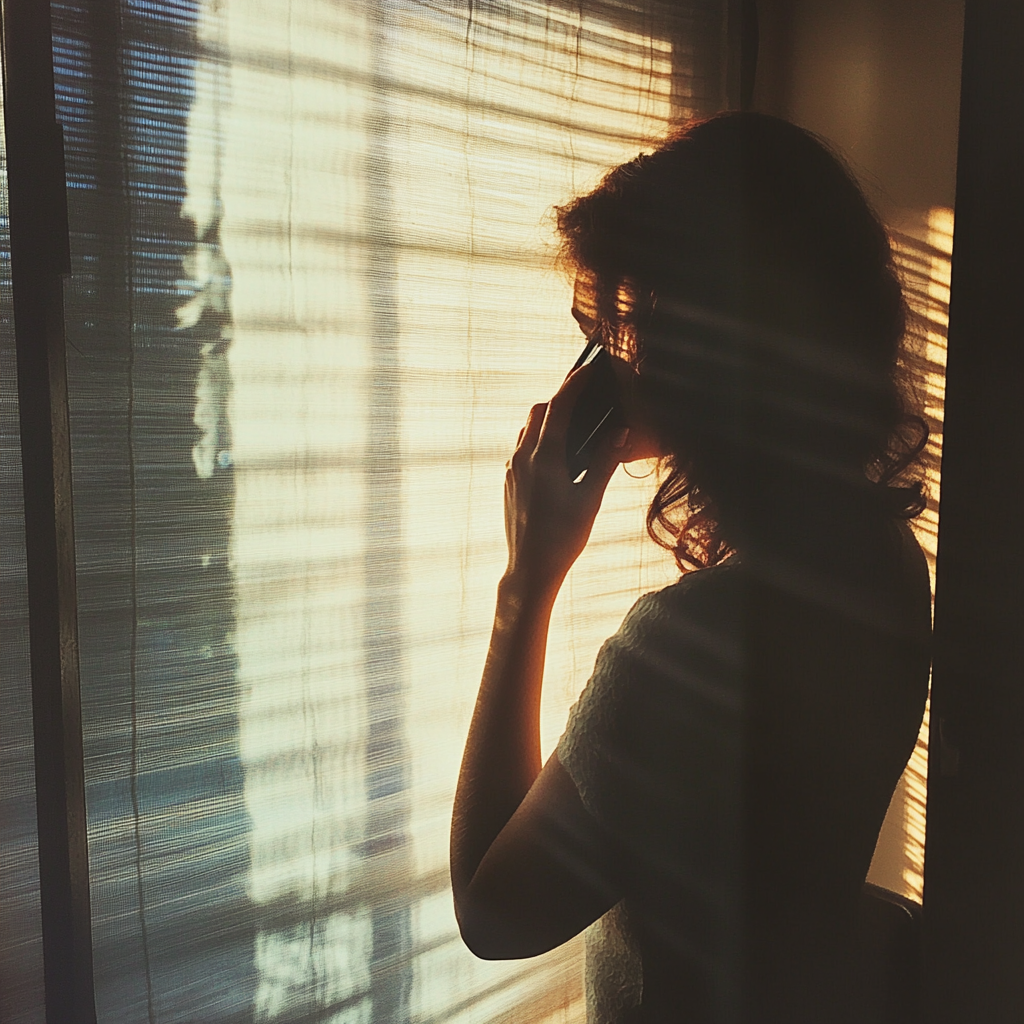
[[687, 621], [664, 683], [708, 597], [680, 652]]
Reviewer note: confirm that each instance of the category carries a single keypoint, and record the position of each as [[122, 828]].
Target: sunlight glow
[[308, 117]]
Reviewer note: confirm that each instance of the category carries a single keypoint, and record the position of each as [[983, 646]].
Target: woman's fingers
[[560, 407], [548, 422], [530, 434], [559, 410]]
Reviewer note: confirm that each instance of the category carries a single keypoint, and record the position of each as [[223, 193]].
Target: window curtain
[[313, 297]]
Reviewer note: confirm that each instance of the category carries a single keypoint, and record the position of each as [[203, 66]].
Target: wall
[[880, 80]]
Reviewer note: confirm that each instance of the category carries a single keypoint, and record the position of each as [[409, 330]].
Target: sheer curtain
[[313, 298]]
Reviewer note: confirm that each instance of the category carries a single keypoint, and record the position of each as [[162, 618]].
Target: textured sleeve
[[657, 729], [593, 748], [654, 747]]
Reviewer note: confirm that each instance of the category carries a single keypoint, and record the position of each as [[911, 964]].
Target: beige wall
[[880, 79]]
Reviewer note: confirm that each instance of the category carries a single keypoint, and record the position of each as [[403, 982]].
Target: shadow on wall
[[880, 80]]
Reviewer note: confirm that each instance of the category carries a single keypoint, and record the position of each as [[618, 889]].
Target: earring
[[644, 476]]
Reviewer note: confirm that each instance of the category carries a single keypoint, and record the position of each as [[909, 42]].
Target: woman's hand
[[548, 518]]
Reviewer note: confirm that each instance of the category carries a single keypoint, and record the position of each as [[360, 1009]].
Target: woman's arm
[[530, 867], [502, 755]]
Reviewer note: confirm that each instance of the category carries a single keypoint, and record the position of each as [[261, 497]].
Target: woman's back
[[742, 738], [839, 682]]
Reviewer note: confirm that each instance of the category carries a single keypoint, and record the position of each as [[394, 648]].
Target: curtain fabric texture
[[313, 298]]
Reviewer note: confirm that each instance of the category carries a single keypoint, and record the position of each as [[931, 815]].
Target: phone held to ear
[[596, 412]]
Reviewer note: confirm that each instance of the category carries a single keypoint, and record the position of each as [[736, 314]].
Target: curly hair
[[742, 273]]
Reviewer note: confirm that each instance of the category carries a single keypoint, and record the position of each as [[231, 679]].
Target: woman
[[717, 794]]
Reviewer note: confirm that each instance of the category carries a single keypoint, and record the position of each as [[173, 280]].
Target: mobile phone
[[597, 410]]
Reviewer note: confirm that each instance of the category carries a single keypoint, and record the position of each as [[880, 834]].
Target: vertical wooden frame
[[39, 259], [974, 888]]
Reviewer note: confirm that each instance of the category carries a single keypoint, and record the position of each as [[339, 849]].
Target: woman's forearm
[[502, 756], [548, 519]]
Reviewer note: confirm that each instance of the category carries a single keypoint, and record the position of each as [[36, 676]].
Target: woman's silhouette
[[722, 780]]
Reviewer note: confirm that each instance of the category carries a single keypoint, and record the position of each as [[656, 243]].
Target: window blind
[[923, 246], [313, 297]]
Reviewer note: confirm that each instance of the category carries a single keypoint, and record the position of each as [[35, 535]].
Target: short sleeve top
[[654, 745]]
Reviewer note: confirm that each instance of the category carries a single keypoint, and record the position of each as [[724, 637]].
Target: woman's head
[[740, 270]]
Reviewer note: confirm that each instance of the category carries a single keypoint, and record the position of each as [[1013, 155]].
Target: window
[[313, 297]]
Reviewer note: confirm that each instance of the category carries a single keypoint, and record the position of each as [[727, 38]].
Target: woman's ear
[[643, 442]]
